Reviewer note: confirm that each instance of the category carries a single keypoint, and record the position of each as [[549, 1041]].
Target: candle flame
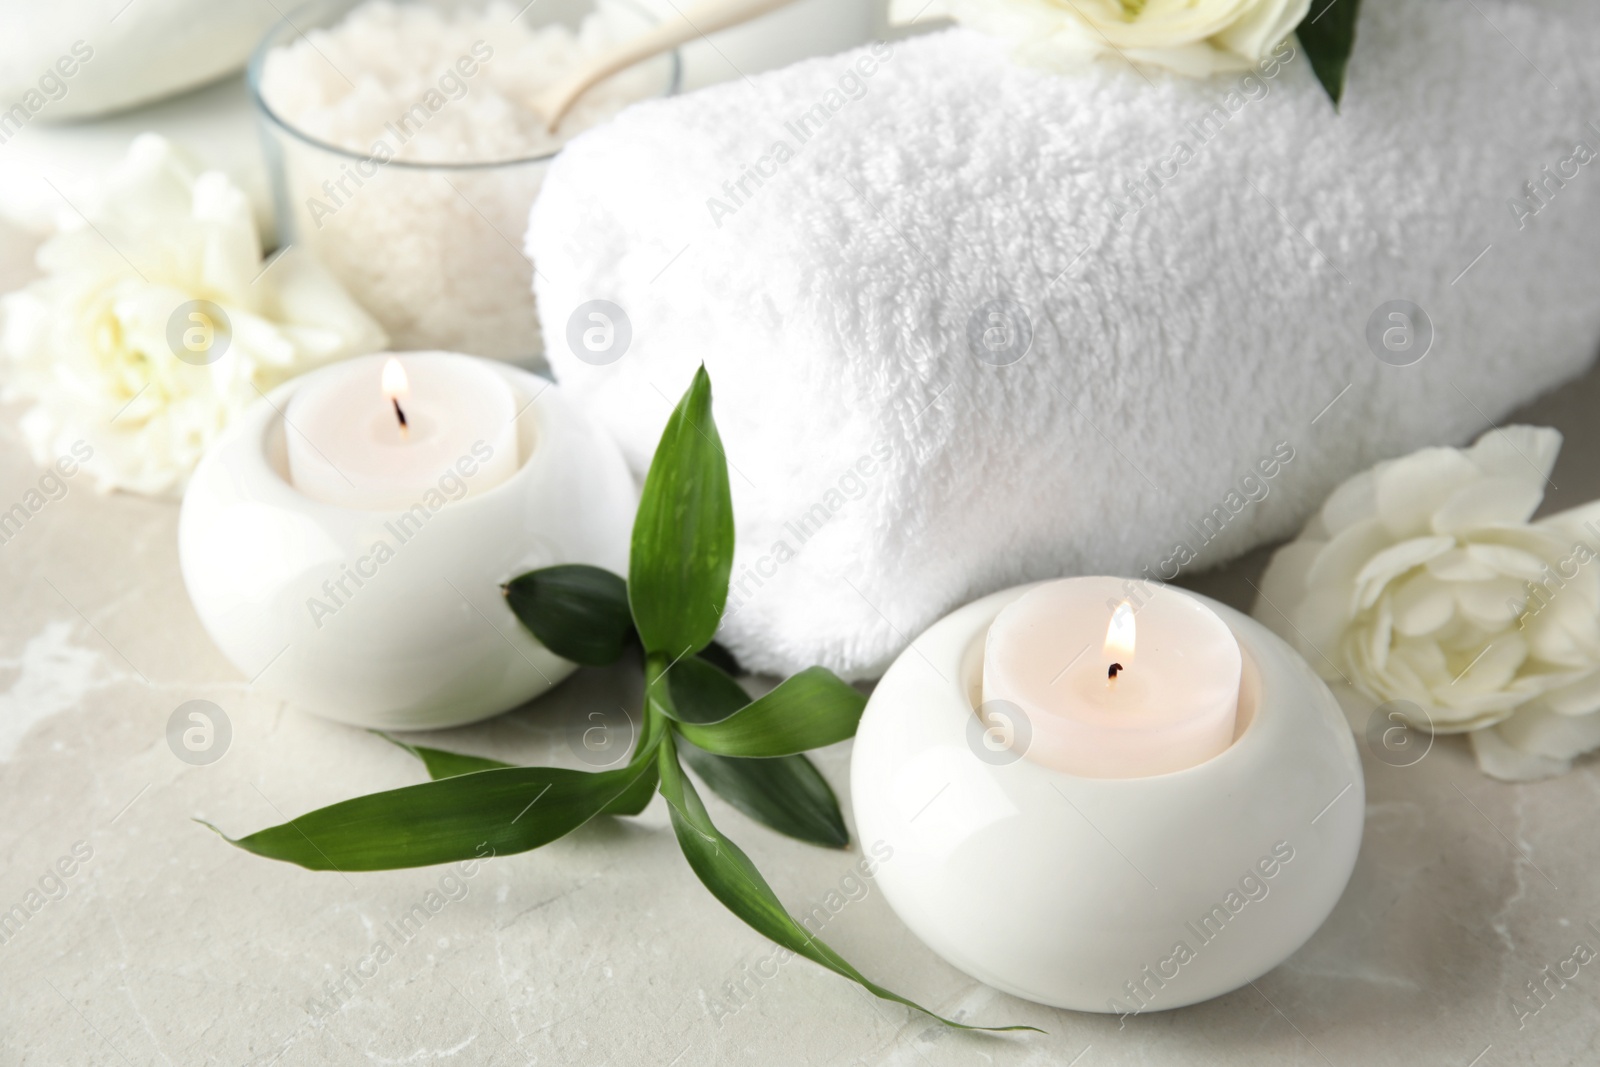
[[395, 386], [1120, 637], [395, 383]]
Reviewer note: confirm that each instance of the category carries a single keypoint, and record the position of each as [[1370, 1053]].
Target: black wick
[[1114, 670], [399, 412]]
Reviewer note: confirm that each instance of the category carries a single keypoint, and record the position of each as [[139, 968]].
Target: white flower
[[1422, 580], [89, 343], [1192, 37]]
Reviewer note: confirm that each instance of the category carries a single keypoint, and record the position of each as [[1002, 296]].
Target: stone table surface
[[167, 946]]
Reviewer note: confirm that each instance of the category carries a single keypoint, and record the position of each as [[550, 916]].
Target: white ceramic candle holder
[[298, 595], [1107, 894]]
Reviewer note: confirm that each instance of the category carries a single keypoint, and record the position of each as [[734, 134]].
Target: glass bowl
[[431, 247]]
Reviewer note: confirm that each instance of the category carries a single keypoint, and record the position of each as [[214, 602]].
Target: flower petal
[[1581, 524], [88, 340], [1318, 623], [1580, 696], [1503, 560], [1492, 605], [1491, 668], [1284, 582], [1342, 558], [1460, 565], [1517, 452], [1356, 500], [1543, 733], [1410, 670], [1412, 488], [1421, 605], [1563, 630], [1264, 28], [1500, 759], [1380, 634], [1488, 502], [1395, 561]]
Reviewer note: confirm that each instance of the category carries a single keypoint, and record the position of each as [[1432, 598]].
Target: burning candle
[[352, 578], [1108, 685], [1075, 869], [378, 433]]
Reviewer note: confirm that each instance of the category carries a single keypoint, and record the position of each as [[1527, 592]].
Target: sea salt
[[421, 215]]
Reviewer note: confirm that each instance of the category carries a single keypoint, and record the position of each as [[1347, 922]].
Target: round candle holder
[[1119, 895], [395, 618]]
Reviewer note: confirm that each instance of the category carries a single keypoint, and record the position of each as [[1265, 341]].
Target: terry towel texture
[[1200, 264]]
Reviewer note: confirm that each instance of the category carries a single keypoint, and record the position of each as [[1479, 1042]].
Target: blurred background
[[178, 68]]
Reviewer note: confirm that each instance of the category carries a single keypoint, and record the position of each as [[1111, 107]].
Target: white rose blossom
[[87, 345], [1423, 580], [1197, 38]]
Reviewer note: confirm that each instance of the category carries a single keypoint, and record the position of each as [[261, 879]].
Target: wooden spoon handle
[[702, 19]]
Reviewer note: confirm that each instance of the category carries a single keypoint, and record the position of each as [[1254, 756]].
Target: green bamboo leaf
[[718, 656], [786, 793], [701, 692], [1328, 34], [808, 710], [576, 611], [637, 796], [683, 534], [727, 872], [511, 809], [441, 764]]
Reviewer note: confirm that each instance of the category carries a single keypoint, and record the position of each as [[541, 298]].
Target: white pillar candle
[[379, 432], [1112, 682]]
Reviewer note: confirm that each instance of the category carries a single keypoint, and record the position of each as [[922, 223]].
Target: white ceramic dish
[[1076, 892], [422, 638]]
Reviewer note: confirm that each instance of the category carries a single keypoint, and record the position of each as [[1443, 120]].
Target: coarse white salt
[[408, 157]]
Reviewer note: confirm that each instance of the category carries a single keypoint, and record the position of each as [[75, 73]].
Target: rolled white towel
[[1200, 262]]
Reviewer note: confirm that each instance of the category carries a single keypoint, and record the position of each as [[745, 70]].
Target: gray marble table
[[167, 946]]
